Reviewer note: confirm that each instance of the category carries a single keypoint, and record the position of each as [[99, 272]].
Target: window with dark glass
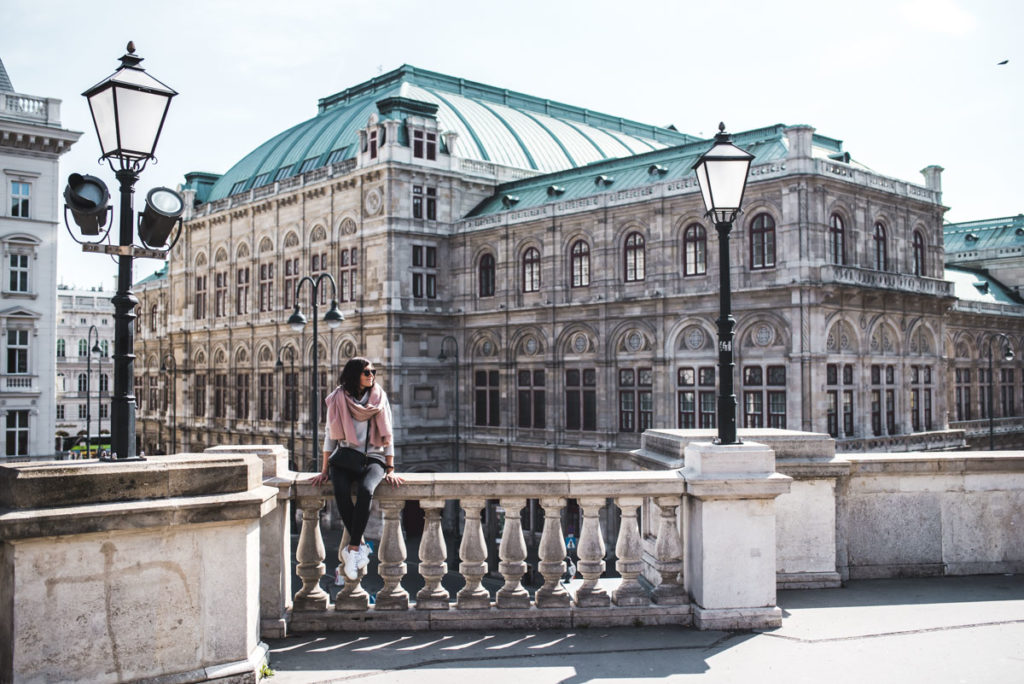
[[487, 393], [18, 272], [984, 392], [242, 291], [291, 277], [839, 393], [883, 400], [919, 264], [17, 433], [634, 258], [424, 145], [318, 265], [220, 395], [266, 398], [153, 318], [531, 398], [347, 275], [485, 276], [372, 143], [580, 258], [266, 287], [962, 393], [199, 396], [1007, 392], [242, 396], [17, 351], [762, 242], [153, 393], [199, 309], [921, 398], [881, 248], [581, 399], [424, 202], [220, 294], [836, 240], [636, 405], [695, 394], [424, 275], [61, 346], [531, 270], [695, 250], [20, 193]]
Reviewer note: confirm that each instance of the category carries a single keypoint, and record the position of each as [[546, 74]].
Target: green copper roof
[[494, 125], [994, 233], [5, 81], [976, 286], [675, 163]]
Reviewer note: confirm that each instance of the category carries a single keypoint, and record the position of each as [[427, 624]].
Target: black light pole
[[173, 370], [297, 321], [128, 110], [94, 349], [722, 176], [1007, 356], [291, 412], [443, 356]]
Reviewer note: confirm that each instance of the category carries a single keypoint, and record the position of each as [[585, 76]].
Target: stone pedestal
[[730, 570]]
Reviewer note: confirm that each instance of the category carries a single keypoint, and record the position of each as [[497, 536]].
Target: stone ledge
[[937, 463], [134, 515], [808, 580], [729, 619]]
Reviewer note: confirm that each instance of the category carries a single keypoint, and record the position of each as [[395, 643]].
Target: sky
[[904, 83]]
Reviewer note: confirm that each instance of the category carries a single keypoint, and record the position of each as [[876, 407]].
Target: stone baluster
[[473, 552], [391, 559], [310, 556], [552, 557], [668, 554], [512, 553], [352, 596], [628, 550], [433, 553], [591, 555]]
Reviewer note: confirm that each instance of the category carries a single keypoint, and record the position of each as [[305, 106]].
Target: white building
[[31, 142], [85, 321]]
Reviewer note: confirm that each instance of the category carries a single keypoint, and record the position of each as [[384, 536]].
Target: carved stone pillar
[[473, 552], [433, 553], [629, 549], [513, 558], [668, 554], [352, 596], [552, 557], [310, 556], [591, 555], [391, 559]]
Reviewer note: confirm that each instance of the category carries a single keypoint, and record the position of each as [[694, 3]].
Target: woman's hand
[[318, 479], [393, 479]]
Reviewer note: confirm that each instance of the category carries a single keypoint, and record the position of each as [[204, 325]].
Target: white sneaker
[[351, 564], [364, 556]]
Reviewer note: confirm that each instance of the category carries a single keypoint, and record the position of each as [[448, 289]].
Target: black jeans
[[356, 515]]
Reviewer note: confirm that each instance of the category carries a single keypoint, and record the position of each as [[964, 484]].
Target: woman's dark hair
[[351, 375]]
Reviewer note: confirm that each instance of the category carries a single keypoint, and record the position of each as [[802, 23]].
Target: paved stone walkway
[[938, 630]]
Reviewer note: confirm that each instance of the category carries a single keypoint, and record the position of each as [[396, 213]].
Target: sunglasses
[[369, 373]]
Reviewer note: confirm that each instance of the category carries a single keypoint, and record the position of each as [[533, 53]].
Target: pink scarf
[[342, 411]]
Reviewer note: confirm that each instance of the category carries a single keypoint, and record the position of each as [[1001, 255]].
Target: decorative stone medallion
[[634, 341], [694, 338], [348, 350], [531, 345], [374, 201], [487, 348], [580, 343], [764, 335]]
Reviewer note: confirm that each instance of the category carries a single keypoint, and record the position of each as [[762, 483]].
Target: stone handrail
[[23, 106], [591, 603], [901, 282]]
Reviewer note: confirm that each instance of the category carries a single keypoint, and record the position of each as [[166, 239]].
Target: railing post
[[391, 556], [433, 553], [473, 552], [513, 556], [668, 552], [591, 555], [552, 557], [352, 596], [628, 549], [310, 556]]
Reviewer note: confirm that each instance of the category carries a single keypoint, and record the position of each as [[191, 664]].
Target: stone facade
[[571, 308]]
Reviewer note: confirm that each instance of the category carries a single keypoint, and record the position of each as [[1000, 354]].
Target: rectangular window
[[60, 411], [318, 264], [431, 204], [17, 351], [199, 310], [18, 272], [220, 395], [266, 407], [488, 408], [1007, 392], [19, 199], [424, 202], [839, 381], [138, 389], [83, 411], [266, 287], [532, 398], [424, 275], [962, 393], [220, 294], [17, 433], [104, 409], [199, 396], [635, 401], [417, 201], [242, 396], [153, 396], [920, 398], [290, 408], [373, 144], [984, 392], [763, 405], [581, 399]]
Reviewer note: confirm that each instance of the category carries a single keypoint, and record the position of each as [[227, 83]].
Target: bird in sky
[[1005, 61]]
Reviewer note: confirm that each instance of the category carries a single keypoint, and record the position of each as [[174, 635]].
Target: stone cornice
[[36, 138]]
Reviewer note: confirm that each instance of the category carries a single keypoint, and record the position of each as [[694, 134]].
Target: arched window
[[83, 348], [486, 275], [531, 270], [83, 383], [635, 268], [152, 318], [762, 242], [881, 250], [836, 240], [104, 382], [919, 266], [580, 264], [104, 349], [695, 250], [60, 348]]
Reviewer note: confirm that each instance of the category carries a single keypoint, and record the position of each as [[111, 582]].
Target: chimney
[[800, 138], [933, 177]]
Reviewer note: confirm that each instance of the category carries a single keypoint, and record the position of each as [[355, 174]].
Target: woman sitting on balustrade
[[359, 417]]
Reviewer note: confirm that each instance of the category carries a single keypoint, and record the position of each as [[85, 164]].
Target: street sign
[[125, 250]]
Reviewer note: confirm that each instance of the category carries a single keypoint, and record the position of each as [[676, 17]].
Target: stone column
[[552, 557], [391, 559], [668, 553], [629, 549], [310, 555], [473, 552], [513, 558], [591, 555], [731, 534], [433, 553]]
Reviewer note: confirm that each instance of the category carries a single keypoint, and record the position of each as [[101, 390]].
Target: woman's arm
[[321, 477]]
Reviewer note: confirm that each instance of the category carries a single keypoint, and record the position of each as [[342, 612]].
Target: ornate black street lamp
[[94, 349], [297, 321], [443, 356], [128, 109], [291, 407], [169, 365], [722, 175], [1007, 356]]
